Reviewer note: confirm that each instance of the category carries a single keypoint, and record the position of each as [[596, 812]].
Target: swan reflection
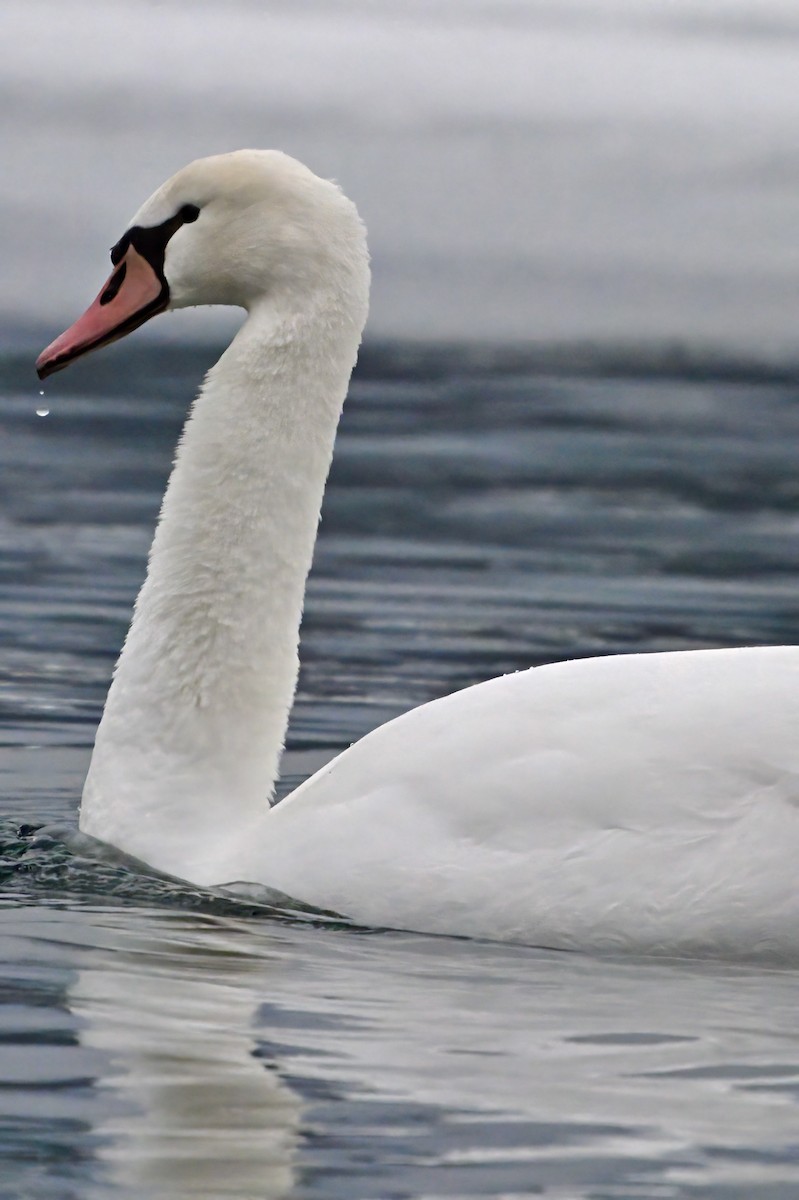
[[424, 1065], [190, 1111]]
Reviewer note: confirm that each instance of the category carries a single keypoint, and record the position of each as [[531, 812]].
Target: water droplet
[[42, 412], [41, 391]]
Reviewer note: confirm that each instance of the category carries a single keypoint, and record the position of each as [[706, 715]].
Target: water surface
[[156, 1041]]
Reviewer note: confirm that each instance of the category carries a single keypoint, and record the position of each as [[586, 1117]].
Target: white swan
[[647, 803]]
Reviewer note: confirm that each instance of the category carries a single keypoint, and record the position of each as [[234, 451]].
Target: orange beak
[[133, 293]]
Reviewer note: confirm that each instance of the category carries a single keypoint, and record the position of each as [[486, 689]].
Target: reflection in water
[[408, 1065], [172, 1010]]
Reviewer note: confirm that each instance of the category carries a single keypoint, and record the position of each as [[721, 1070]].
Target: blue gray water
[[159, 1042]]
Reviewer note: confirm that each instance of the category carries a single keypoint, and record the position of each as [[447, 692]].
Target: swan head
[[250, 227]]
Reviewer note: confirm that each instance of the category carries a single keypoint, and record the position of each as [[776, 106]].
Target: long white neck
[[187, 752]]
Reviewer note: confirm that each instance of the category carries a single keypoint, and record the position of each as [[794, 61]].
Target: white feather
[[646, 803]]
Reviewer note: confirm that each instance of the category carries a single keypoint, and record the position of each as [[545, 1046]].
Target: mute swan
[[646, 803]]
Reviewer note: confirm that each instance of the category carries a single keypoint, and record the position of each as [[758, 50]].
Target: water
[[157, 1041], [155, 1054]]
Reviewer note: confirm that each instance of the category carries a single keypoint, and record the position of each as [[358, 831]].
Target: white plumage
[[645, 802]]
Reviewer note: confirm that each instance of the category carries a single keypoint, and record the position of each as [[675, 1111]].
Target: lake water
[[160, 1042]]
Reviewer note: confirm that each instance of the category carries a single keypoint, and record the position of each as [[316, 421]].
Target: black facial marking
[[114, 284], [118, 251], [151, 243]]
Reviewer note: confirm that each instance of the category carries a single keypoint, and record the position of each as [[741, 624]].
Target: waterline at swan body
[[648, 802]]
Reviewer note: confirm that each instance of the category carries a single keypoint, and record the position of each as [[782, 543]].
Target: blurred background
[[621, 173]]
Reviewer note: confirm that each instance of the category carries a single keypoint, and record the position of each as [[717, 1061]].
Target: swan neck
[[188, 749]]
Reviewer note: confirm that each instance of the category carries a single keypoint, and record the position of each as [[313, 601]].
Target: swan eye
[[189, 213]]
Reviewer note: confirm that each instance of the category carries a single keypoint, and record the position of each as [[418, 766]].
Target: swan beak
[[133, 293]]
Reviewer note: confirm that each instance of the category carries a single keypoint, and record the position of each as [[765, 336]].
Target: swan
[[643, 803]]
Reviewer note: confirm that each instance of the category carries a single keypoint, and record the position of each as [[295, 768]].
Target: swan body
[[644, 802], [648, 802]]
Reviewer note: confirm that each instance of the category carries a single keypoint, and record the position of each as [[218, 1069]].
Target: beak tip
[[43, 366], [135, 292]]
